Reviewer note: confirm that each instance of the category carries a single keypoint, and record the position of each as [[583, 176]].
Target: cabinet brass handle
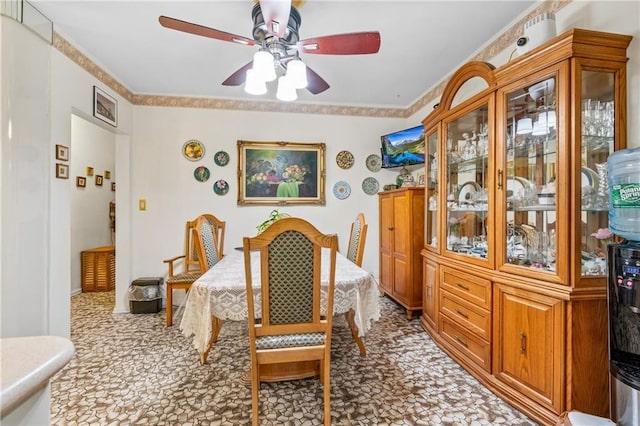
[[462, 314], [500, 179], [429, 292], [523, 343], [462, 341], [462, 286]]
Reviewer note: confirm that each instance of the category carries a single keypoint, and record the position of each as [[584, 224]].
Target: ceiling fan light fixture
[[286, 92], [264, 65], [254, 84], [525, 126], [297, 73]]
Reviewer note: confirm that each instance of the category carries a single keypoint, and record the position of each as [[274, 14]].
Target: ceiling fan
[[275, 30]]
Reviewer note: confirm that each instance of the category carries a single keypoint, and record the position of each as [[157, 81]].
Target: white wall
[[72, 94], [26, 169], [162, 176], [95, 147]]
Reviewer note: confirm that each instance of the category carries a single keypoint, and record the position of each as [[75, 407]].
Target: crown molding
[[491, 50]]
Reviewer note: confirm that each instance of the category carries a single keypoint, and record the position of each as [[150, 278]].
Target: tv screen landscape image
[[403, 148]]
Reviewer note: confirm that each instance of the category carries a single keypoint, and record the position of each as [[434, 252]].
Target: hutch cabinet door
[[386, 242], [528, 344], [468, 179], [432, 159], [600, 107], [533, 177], [430, 297]]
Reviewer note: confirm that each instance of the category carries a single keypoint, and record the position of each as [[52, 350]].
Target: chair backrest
[[206, 240], [290, 280], [357, 238], [192, 261]]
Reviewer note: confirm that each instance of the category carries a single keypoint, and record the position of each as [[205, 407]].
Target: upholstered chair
[[293, 325]]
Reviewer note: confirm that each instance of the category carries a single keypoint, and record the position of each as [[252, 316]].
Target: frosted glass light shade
[[286, 92], [525, 126], [297, 73], [547, 118], [264, 65], [254, 85], [540, 128]]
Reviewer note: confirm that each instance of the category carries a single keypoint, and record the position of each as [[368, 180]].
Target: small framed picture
[[113, 186], [62, 152], [98, 180], [89, 171], [62, 171], [421, 179], [105, 107], [81, 181], [107, 174]]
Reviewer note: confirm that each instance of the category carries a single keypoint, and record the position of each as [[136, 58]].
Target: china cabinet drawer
[[473, 289], [468, 316], [472, 347]]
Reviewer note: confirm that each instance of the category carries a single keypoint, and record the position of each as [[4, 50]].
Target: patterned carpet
[[133, 370]]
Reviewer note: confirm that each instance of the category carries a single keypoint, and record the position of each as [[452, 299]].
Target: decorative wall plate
[[341, 190], [221, 158], [344, 159], [193, 150], [201, 174], [370, 186], [374, 163], [221, 187]]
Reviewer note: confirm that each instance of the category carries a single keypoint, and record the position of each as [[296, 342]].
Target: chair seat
[[183, 278], [289, 341]]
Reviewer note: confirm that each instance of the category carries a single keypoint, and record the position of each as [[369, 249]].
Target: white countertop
[[27, 364]]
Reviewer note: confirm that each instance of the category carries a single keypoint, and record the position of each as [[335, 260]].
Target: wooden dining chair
[[291, 327], [357, 238], [192, 268]]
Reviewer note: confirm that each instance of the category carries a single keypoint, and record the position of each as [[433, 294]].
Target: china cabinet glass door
[[467, 179], [598, 114], [431, 188], [530, 183]]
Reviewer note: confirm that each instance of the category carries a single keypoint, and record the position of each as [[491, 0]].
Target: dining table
[[220, 295]]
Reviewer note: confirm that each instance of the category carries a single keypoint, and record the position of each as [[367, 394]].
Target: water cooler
[[623, 296], [624, 332]]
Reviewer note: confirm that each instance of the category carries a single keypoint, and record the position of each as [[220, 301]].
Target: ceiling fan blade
[[238, 78], [276, 16], [316, 84], [188, 27], [342, 44]]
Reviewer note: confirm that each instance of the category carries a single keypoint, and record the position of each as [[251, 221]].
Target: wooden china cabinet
[[513, 264]]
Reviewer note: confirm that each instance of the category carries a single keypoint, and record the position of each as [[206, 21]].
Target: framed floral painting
[[281, 173]]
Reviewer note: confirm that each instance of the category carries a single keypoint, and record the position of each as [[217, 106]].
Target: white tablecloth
[[221, 292]]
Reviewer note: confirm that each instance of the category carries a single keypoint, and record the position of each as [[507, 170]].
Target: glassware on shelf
[[602, 200]]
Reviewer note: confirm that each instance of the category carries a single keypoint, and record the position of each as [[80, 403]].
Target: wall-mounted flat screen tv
[[403, 148]]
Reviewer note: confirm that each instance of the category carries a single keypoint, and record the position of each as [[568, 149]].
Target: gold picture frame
[[281, 173]]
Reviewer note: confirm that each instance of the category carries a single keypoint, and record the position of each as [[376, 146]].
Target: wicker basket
[[98, 269]]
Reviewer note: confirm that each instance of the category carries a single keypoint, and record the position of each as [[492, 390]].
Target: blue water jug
[[623, 170]]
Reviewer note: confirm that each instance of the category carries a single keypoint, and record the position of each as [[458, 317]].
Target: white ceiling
[[422, 41]]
